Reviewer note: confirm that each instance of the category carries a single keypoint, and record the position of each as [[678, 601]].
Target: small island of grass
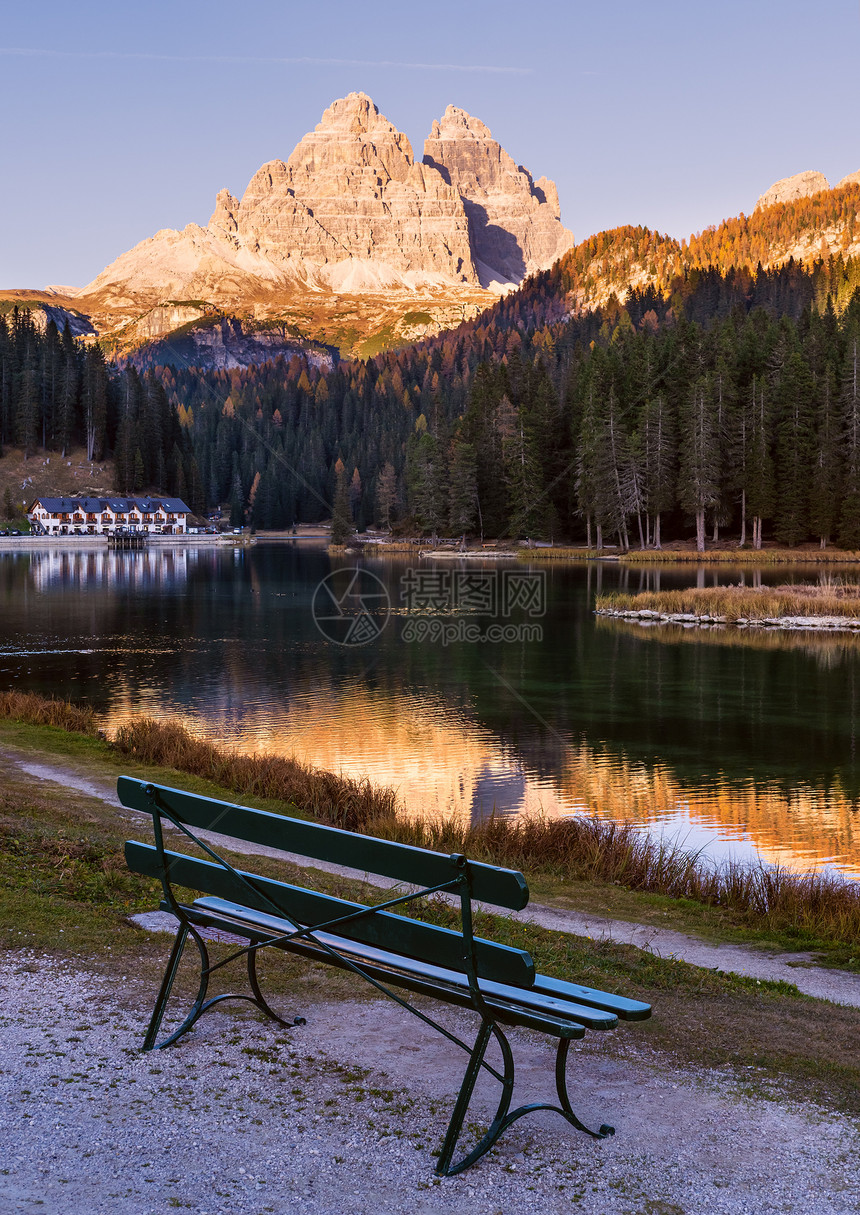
[[806, 606]]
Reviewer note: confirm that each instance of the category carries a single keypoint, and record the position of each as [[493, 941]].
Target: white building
[[105, 516]]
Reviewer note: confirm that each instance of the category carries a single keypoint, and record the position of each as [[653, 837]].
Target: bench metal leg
[[444, 1168], [167, 986], [201, 1004], [503, 1119], [260, 999], [561, 1089]]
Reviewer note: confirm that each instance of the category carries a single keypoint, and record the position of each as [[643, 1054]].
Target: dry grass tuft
[[46, 711], [807, 906], [340, 800]]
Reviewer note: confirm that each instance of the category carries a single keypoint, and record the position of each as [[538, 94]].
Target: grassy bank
[[743, 556], [566, 554], [735, 603], [813, 911]]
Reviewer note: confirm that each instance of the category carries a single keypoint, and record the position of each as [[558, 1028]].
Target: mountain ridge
[[354, 243]]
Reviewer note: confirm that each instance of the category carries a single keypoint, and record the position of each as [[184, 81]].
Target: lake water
[[738, 743]]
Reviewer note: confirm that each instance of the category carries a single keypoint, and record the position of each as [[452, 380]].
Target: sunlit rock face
[[790, 189], [352, 189], [514, 221], [351, 210]]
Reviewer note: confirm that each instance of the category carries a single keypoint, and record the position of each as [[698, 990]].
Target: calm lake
[[740, 743]]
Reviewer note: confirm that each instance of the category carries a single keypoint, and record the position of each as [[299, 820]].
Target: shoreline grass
[[686, 556], [744, 556], [733, 603]]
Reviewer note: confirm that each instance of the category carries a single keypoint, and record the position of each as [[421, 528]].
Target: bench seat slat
[[415, 980], [591, 1016], [403, 862], [624, 1008], [428, 942]]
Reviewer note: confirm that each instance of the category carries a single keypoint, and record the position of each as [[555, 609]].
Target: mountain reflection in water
[[742, 746]]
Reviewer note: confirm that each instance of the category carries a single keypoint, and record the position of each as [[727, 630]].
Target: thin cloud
[[42, 52]]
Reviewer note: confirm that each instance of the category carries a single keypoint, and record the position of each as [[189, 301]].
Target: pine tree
[[462, 488], [386, 494], [699, 467], [237, 501], [657, 447], [68, 398], [355, 496], [760, 475], [425, 479], [849, 516], [95, 402], [341, 518], [826, 479], [794, 449]]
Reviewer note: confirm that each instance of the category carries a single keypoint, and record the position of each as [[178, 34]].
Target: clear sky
[[121, 119]]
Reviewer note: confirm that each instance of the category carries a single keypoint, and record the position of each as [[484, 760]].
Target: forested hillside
[[731, 401], [57, 393], [614, 426]]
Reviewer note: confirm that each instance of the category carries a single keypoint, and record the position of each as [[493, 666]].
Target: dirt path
[[841, 987], [341, 1117]]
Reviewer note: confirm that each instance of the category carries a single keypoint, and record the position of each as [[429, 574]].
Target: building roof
[[92, 506]]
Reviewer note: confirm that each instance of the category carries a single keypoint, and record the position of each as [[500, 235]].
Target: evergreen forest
[[724, 403]]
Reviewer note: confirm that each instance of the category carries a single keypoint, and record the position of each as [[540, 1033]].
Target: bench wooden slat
[[428, 942], [555, 1005], [624, 1009], [423, 984], [407, 864]]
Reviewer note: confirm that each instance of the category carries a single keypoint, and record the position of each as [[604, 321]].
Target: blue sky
[[120, 120]]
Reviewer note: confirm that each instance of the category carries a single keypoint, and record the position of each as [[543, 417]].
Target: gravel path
[[839, 986], [341, 1116]]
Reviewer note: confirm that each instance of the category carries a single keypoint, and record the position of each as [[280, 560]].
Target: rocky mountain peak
[[352, 211], [789, 189], [356, 114], [352, 130], [224, 215], [458, 124], [514, 222]]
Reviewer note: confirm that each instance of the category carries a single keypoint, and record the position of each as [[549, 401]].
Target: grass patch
[[733, 603], [375, 343], [742, 556]]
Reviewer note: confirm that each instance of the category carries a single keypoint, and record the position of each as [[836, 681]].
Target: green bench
[[379, 945]]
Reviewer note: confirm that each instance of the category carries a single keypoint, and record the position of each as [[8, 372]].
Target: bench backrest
[[413, 866], [403, 862]]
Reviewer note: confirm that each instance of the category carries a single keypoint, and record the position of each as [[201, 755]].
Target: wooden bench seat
[[379, 945]]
